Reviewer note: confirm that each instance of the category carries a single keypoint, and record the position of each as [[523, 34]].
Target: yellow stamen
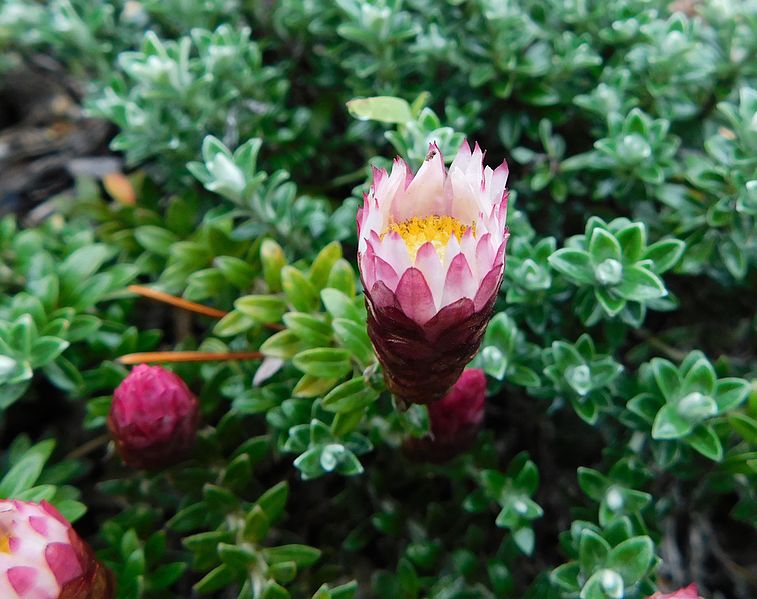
[[436, 229], [5, 543]]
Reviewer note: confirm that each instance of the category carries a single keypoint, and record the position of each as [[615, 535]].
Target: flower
[[461, 411], [153, 417], [690, 592], [454, 420], [42, 557], [431, 253]]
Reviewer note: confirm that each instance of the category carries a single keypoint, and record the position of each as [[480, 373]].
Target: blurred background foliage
[[620, 446]]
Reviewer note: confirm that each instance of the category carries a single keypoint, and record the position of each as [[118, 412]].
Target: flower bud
[[689, 592], [454, 420], [42, 557], [153, 418]]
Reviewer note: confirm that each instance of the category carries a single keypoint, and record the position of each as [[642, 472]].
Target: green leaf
[[731, 393], [323, 263], [284, 345], [155, 239], [352, 395], [83, 263], [592, 551], [745, 426], [669, 424], [261, 308], [256, 525], [324, 362], [632, 240], [308, 328], [339, 305], [216, 579], [667, 378], [300, 292], [385, 109], [26, 471], [664, 254], [566, 576], [632, 558], [273, 501], [640, 285], [236, 271], [46, 349], [700, 378], [354, 337], [592, 483], [302, 555], [706, 441], [603, 246], [273, 259], [574, 264]]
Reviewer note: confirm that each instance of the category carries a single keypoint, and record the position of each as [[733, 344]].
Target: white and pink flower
[[431, 253], [42, 557]]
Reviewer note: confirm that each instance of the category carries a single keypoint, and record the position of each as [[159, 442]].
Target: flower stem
[[188, 356], [176, 301]]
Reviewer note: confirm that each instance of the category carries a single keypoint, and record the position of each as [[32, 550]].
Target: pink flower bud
[[454, 420], [690, 592], [431, 252], [42, 557], [153, 418]]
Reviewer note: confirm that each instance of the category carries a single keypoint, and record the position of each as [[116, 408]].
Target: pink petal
[[498, 182], [38, 524], [484, 254], [392, 248], [430, 264], [468, 248], [425, 194], [385, 273], [448, 317], [22, 579], [462, 157], [489, 287], [63, 562], [382, 296], [459, 281], [415, 297], [52, 510]]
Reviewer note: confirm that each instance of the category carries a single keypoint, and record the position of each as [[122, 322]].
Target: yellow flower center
[[436, 229], [5, 543]]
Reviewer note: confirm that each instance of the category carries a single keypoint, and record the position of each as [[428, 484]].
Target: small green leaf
[[324, 362], [706, 441], [302, 555], [385, 109], [632, 558], [300, 292], [261, 308], [669, 424], [574, 264]]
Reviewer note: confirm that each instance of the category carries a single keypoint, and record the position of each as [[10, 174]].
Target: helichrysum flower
[[689, 592], [42, 557], [153, 418], [454, 420], [432, 255]]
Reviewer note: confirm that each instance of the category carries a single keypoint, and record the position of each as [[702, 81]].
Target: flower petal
[[489, 287], [415, 297], [425, 194], [459, 281], [385, 273], [381, 296], [430, 264], [393, 250]]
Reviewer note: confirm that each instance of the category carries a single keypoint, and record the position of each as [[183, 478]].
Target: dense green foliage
[[622, 398]]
